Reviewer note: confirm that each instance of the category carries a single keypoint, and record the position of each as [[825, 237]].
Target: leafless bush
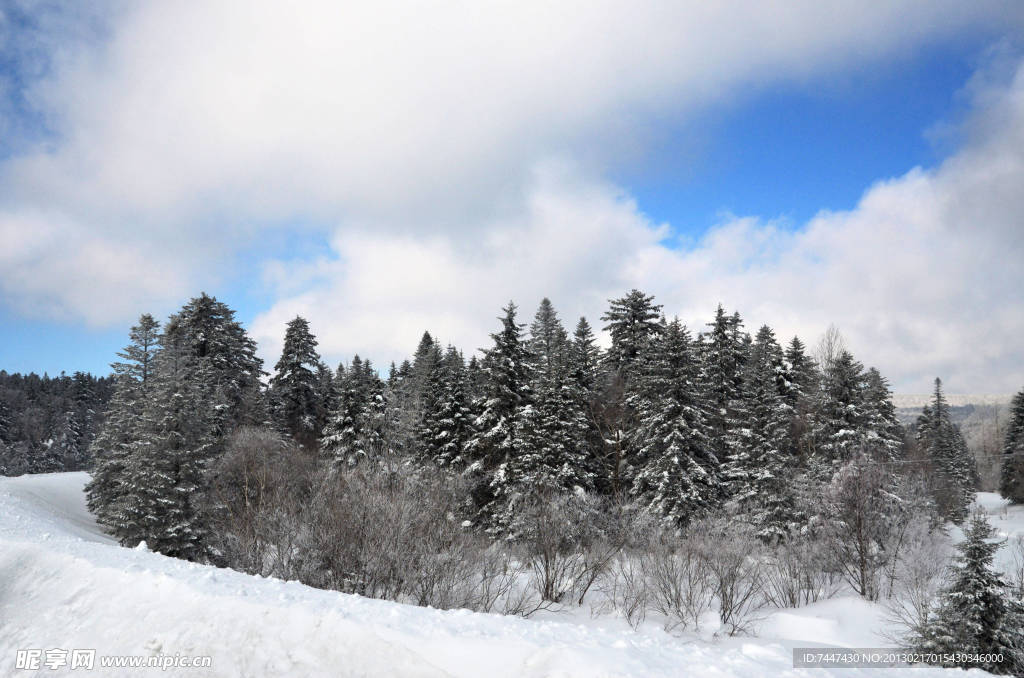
[[679, 581], [623, 589], [568, 541], [1015, 574], [735, 563], [255, 497], [795, 573], [919, 576]]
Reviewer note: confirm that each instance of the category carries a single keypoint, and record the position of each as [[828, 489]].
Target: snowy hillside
[[66, 585]]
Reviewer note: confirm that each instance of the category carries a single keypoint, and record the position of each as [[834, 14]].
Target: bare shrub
[[919, 576], [734, 561], [795, 573], [623, 589], [1015, 574], [568, 541], [255, 498], [679, 581]]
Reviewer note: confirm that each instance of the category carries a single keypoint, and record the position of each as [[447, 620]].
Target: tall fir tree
[[802, 394], [884, 432], [226, 355], [1011, 477], [955, 474], [676, 471], [107, 488], [176, 440], [632, 321], [766, 471], [447, 422], [723, 360], [506, 374], [840, 419], [295, 388]]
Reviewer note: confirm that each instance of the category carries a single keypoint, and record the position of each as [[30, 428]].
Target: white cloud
[[427, 131], [923, 276]]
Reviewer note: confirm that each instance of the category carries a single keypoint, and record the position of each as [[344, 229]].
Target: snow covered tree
[[839, 420], [584, 356], [506, 375], [548, 342], [107, 488], [723, 360], [676, 471], [955, 476], [356, 429], [883, 430], [219, 342], [763, 469], [169, 452], [447, 422], [632, 322], [295, 388], [976, 613], [1011, 480], [804, 383]]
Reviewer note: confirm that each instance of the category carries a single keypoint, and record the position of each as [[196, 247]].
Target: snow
[[63, 584]]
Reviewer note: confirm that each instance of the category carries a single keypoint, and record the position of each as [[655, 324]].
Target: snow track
[[63, 584]]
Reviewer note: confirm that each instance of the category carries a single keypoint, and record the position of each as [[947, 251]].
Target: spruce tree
[[107, 489], [447, 422], [169, 452], [677, 472], [883, 430], [632, 321], [955, 476], [295, 388], [802, 394], [548, 341], [227, 356], [765, 470], [840, 419], [506, 376], [976, 614], [723, 360], [1011, 479]]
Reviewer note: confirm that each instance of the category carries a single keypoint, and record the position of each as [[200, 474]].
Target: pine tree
[[765, 471], [548, 341], [1011, 480], [584, 356], [107, 489], [295, 388], [839, 421], [723, 360], [227, 356], [506, 375], [883, 430], [956, 475], [169, 453], [677, 472], [447, 422], [357, 429], [632, 322], [976, 614], [802, 394]]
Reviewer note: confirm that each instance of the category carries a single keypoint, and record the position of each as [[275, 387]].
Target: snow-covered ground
[[63, 584]]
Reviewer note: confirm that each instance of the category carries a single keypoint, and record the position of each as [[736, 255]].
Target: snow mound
[[63, 584]]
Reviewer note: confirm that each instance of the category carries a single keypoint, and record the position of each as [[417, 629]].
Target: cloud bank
[[454, 157]]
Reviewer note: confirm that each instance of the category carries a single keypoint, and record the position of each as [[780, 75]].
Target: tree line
[[48, 423]]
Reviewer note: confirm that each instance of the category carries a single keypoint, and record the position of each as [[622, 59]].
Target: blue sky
[[405, 196]]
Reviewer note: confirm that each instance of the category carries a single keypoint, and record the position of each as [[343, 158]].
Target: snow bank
[[63, 584]]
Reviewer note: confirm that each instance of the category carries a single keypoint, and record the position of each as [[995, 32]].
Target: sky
[[386, 168]]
